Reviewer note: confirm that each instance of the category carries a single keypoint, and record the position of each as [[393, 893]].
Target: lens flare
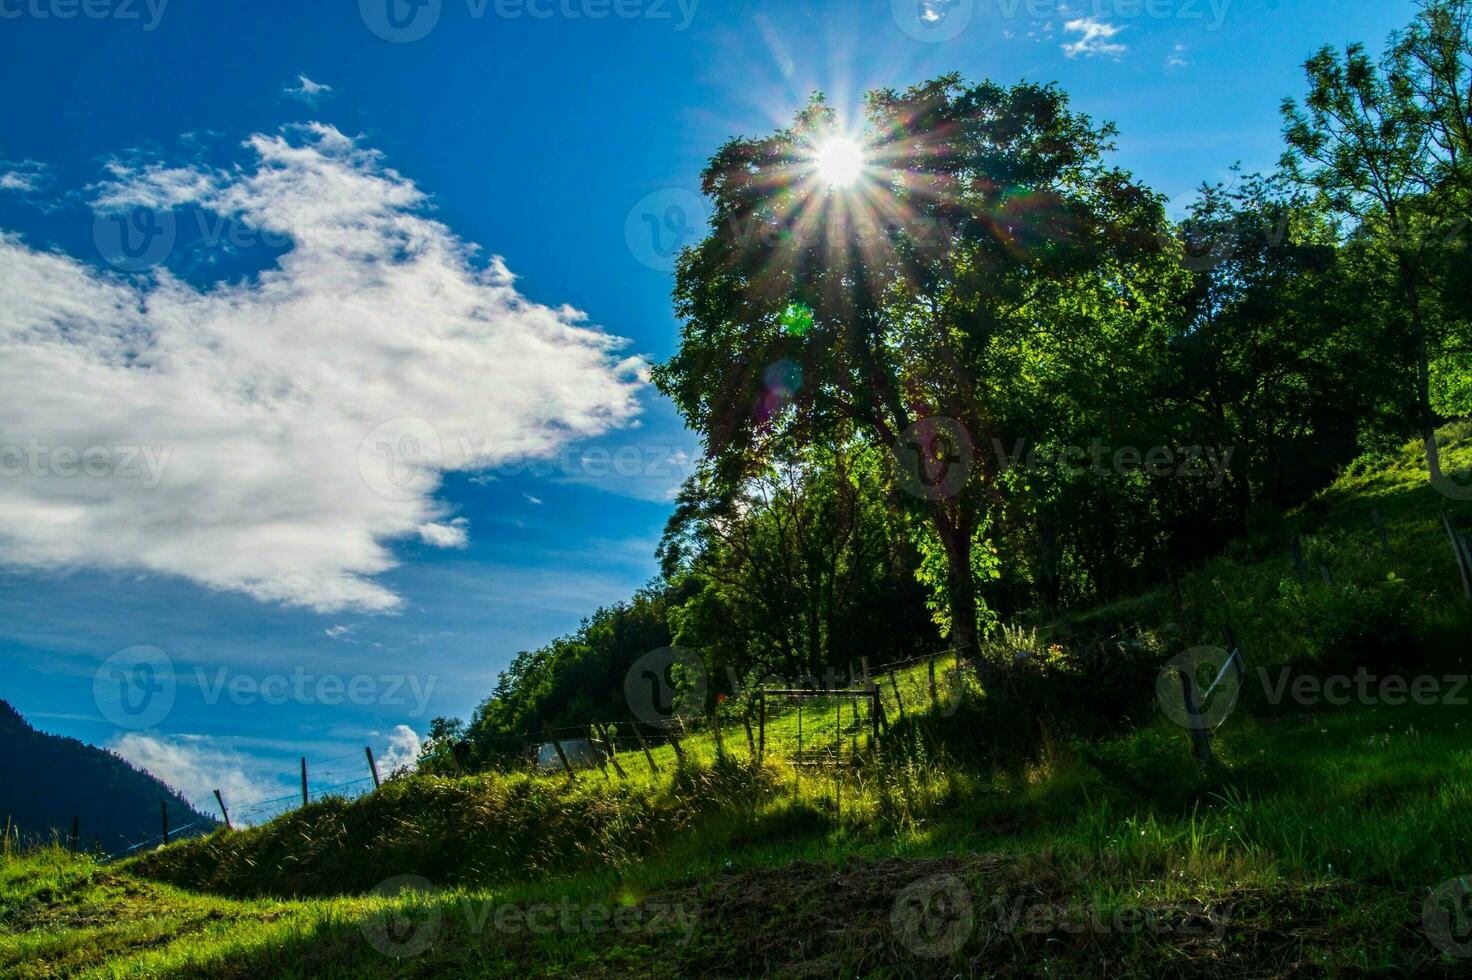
[[839, 161]]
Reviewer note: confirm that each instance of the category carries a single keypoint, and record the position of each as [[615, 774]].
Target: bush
[[1350, 626]]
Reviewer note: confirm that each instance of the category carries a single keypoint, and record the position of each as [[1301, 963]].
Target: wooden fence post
[[675, 742], [163, 813], [223, 812], [560, 754], [1194, 722], [1467, 552], [934, 695], [648, 756], [837, 731], [304, 780], [899, 701], [1458, 554], [372, 766], [750, 739], [874, 711], [761, 720], [592, 738], [799, 731]]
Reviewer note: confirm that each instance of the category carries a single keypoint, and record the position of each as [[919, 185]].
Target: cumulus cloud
[[306, 90], [195, 765], [454, 534], [1095, 37], [275, 435], [402, 751], [1176, 60]]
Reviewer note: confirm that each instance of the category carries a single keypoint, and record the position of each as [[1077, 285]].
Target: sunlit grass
[[1315, 839]]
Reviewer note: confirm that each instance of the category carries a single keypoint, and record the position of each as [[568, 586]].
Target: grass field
[[1316, 847], [1327, 838]]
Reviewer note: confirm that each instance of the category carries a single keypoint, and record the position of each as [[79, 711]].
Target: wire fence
[[767, 722], [803, 725]]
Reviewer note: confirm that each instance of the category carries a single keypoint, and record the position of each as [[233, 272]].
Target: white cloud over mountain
[[197, 765], [274, 435]]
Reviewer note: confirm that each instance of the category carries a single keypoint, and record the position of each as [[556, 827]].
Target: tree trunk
[[955, 536], [1050, 583], [1427, 414]]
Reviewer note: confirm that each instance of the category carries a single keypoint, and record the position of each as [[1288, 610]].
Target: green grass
[[1315, 844], [1309, 848]]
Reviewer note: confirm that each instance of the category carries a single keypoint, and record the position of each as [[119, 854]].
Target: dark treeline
[[47, 781], [995, 381]]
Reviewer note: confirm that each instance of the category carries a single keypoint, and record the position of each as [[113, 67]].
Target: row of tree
[[992, 379]]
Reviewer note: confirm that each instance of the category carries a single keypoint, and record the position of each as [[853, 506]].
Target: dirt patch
[[993, 915]]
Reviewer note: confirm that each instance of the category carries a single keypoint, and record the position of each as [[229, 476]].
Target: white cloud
[[196, 766], [338, 631], [282, 431], [26, 177], [307, 90], [531, 499], [935, 11], [402, 753], [454, 534], [1094, 38], [1176, 60]]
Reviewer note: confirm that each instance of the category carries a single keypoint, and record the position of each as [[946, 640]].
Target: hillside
[[46, 780], [986, 833]]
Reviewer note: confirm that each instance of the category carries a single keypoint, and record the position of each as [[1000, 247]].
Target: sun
[[839, 161]]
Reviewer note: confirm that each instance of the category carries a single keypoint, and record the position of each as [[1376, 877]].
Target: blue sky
[[534, 130]]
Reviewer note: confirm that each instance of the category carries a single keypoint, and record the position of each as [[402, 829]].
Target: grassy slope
[[1310, 850]]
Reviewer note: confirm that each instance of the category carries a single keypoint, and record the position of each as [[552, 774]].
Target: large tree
[[1385, 142], [984, 240]]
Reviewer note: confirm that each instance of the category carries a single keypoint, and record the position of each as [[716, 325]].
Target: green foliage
[[573, 680], [1019, 246], [803, 565], [1353, 624]]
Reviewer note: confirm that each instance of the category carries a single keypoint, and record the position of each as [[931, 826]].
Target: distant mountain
[[46, 780]]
